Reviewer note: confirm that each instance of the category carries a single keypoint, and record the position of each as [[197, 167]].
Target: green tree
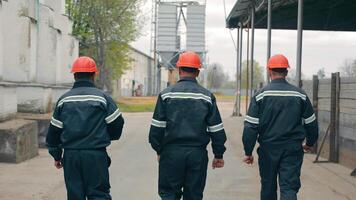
[[104, 29], [257, 74]]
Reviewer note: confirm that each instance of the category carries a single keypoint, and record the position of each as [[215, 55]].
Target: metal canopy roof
[[327, 15]]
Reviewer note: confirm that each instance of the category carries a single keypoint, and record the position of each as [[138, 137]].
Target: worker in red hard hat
[[185, 120], [280, 117], [84, 122]]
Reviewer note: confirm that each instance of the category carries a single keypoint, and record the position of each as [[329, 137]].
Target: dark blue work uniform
[[281, 116], [84, 122], [185, 120]]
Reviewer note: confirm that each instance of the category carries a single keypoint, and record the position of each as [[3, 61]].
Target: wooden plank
[[324, 94], [334, 117], [314, 98], [348, 80], [324, 104], [348, 94], [324, 87], [323, 116], [348, 103], [324, 81], [346, 132], [348, 120], [348, 86], [350, 111]]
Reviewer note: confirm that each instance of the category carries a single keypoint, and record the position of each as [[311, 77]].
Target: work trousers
[[86, 174], [182, 171], [284, 163]]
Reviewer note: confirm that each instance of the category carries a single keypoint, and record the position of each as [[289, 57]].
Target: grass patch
[[137, 104], [224, 98], [228, 98]]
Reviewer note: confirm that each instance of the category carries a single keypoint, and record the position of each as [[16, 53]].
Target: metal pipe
[[236, 106], [269, 36], [252, 48], [247, 68], [299, 44], [240, 69]]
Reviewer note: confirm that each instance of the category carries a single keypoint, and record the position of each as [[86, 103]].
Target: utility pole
[[153, 47]]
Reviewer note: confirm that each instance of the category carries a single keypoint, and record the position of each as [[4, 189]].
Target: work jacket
[[186, 115], [279, 115], [84, 118]]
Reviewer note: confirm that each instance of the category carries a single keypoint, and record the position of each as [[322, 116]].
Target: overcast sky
[[320, 49]]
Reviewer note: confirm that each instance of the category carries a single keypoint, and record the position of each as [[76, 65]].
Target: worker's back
[[83, 113], [283, 113], [187, 106]]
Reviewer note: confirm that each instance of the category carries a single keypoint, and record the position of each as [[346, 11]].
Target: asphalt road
[[134, 166], [134, 171]]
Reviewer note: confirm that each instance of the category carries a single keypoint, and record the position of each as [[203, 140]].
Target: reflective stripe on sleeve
[[159, 124], [113, 116], [310, 119], [252, 120], [56, 123], [215, 128]]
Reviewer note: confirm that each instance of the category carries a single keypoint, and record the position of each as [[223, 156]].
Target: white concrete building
[[36, 52], [141, 72]]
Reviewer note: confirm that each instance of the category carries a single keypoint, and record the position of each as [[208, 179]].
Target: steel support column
[[240, 68], [252, 49], [269, 36], [247, 69], [299, 44], [236, 111]]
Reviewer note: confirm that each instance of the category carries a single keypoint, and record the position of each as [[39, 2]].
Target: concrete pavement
[[134, 171]]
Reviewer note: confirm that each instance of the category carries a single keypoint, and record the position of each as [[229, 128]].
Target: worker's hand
[[307, 148], [158, 158], [218, 163], [248, 160], [58, 164]]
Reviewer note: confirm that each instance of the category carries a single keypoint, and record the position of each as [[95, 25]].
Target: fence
[[334, 101]]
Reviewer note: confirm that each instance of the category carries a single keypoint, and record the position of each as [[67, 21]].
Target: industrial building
[[140, 79], [333, 99], [36, 52]]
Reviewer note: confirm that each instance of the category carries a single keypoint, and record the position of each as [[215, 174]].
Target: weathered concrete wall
[[8, 102], [34, 99], [347, 121], [43, 121], [17, 39], [57, 92], [39, 45], [39, 50], [47, 47], [18, 140], [1, 43]]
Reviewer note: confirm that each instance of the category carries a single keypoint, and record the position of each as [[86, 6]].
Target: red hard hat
[[189, 59], [278, 61], [84, 64]]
